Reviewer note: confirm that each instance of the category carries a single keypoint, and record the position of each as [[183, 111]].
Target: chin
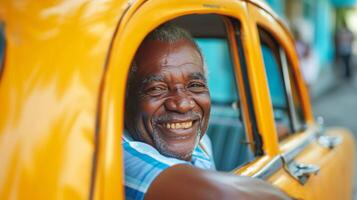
[[182, 151], [179, 155], [178, 145]]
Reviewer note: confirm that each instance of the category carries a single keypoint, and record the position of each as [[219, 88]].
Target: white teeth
[[178, 125]]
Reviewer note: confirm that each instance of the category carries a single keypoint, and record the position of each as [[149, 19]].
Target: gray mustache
[[191, 115]]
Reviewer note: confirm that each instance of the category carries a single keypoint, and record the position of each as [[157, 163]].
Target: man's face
[[170, 103]]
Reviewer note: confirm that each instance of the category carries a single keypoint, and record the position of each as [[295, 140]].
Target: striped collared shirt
[[143, 163]]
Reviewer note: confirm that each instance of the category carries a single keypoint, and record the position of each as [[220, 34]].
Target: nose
[[179, 102]]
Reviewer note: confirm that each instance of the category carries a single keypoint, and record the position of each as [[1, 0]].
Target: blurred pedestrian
[[344, 40], [307, 58]]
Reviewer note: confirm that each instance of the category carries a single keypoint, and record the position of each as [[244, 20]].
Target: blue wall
[[344, 3], [323, 42]]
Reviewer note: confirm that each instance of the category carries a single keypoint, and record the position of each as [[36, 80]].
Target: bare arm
[[186, 182]]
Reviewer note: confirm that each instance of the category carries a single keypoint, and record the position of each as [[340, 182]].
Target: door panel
[[333, 181]]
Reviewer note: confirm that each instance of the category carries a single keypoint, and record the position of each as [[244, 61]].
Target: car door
[[311, 163]]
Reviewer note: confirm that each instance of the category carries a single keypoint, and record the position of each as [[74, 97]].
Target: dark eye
[[156, 90], [197, 87]]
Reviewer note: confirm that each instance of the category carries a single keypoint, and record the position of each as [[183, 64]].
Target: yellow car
[[64, 66]]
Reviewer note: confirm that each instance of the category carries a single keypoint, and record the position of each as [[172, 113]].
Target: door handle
[[328, 141], [301, 172]]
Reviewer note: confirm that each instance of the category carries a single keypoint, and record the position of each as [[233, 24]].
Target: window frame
[[284, 70], [287, 82], [241, 66], [125, 42]]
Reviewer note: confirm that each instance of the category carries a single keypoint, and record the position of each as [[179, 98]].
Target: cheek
[[149, 107], [204, 102]]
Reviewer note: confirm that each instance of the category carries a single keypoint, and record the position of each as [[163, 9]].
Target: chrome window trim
[[279, 161], [272, 167], [289, 156], [287, 85]]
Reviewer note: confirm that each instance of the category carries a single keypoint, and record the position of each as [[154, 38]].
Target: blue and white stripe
[[143, 163]]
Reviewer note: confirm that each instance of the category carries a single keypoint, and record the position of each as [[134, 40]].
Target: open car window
[[230, 147]]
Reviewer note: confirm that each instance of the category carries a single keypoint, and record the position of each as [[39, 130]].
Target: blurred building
[[317, 21]]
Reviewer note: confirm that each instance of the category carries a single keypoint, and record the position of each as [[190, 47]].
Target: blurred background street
[[338, 105]]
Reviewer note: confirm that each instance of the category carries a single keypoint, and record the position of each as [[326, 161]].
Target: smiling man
[[171, 103], [167, 154]]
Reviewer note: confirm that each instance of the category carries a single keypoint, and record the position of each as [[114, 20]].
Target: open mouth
[[178, 125], [179, 129]]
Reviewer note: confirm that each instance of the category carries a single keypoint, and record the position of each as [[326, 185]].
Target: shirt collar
[[200, 157]]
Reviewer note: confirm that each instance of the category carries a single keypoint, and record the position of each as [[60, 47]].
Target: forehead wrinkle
[[191, 76], [170, 57], [179, 65]]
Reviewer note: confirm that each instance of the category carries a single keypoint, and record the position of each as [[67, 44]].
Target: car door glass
[[300, 124], [285, 99]]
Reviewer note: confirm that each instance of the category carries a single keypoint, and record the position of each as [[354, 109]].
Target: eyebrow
[[198, 76], [160, 78], [153, 78]]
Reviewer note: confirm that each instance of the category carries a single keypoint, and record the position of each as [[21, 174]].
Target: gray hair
[[168, 33]]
